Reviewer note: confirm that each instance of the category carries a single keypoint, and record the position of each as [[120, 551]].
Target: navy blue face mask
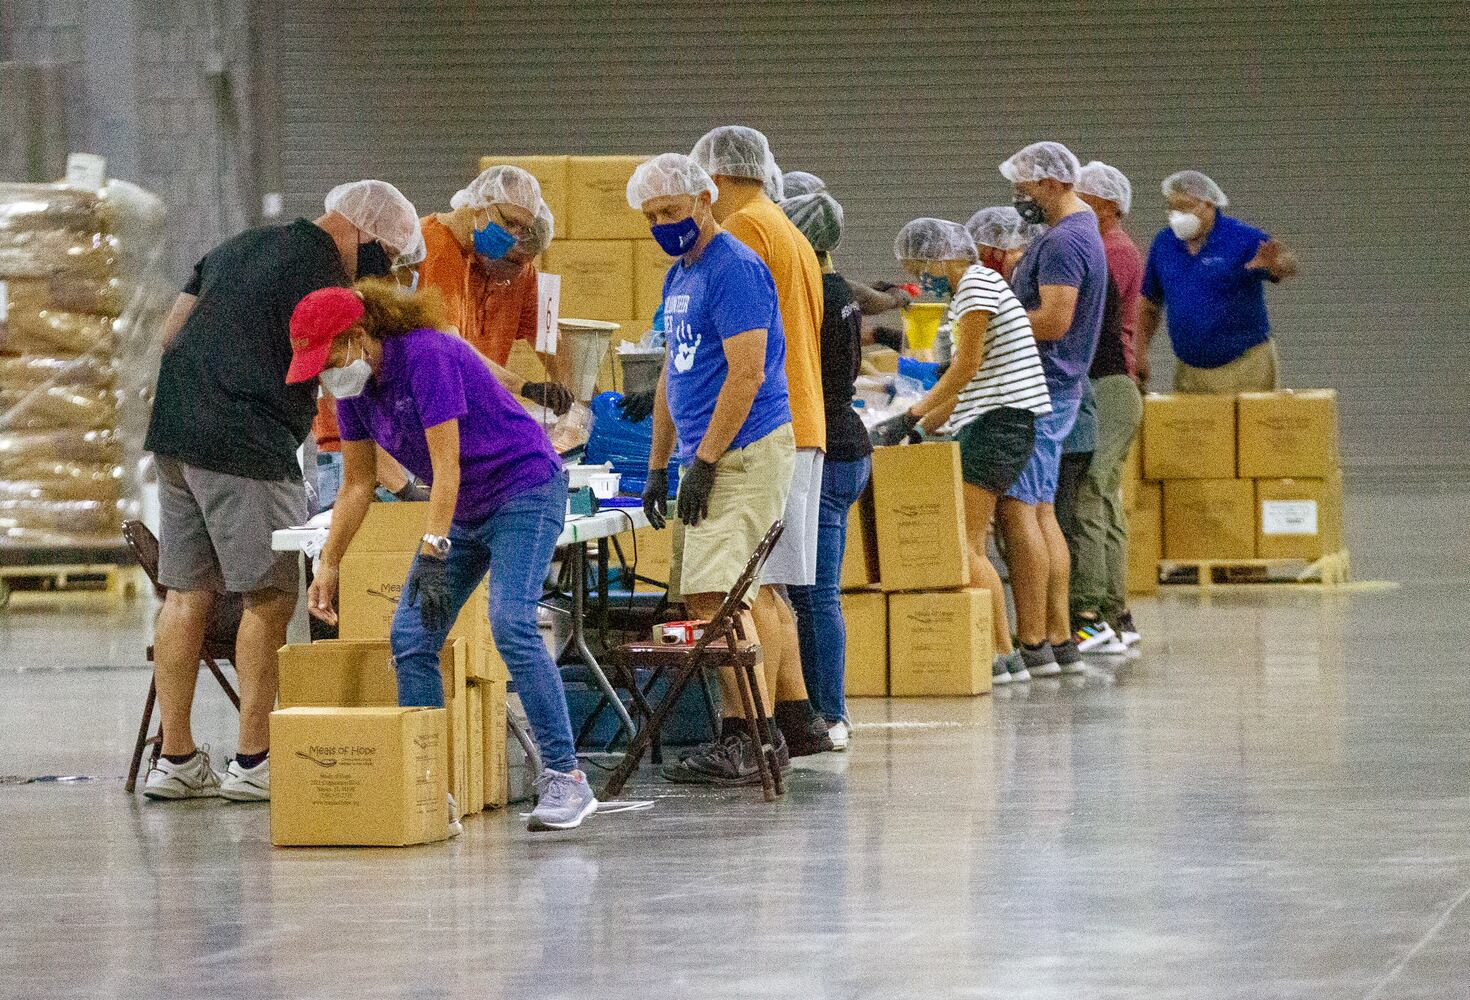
[[373, 260], [675, 238], [493, 241]]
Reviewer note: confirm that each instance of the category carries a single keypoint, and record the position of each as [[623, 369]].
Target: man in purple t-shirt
[[1062, 280]]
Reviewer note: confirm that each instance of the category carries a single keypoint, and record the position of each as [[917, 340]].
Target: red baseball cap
[[315, 323]]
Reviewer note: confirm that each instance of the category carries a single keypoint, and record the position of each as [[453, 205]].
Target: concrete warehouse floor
[[1272, 802]]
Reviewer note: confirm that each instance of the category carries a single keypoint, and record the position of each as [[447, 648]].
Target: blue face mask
[[675, 238], [493, 241], [936, 285]]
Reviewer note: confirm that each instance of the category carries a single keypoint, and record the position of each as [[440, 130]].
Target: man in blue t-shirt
[[1205, 272], [722, 400], [1062, 280]]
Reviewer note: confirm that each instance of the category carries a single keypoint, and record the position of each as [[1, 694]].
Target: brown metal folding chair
[[724, 644], [216, 648]]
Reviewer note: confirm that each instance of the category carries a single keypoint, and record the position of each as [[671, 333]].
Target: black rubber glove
[[636, 406], [888, 337], [656, 497], [413, 491], [694, 490], [893, 430], [556, 398], [428, 585]]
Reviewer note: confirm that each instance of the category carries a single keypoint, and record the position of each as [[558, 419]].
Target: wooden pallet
[[1334, 570], [74, 583]]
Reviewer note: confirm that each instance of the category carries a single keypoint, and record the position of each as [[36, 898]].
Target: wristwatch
[[439, 544]]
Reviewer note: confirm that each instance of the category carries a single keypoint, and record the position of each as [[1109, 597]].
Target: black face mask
[[373, 260], [1030, 211]]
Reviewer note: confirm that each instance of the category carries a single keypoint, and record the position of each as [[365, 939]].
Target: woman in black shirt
[[845, 471]]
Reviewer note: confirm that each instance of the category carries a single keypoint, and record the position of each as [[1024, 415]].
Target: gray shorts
[[215, 530]]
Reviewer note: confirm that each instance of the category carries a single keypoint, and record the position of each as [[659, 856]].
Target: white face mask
[[348, 381], [1186, 225]]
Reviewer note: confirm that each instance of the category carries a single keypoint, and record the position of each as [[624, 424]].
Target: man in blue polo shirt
[[1205, 272]]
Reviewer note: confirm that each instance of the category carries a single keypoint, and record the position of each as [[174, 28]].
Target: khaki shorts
[[215, 530], [1257, 370], [749, 495]]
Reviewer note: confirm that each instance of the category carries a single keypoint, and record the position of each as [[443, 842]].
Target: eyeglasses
[[516, 229]]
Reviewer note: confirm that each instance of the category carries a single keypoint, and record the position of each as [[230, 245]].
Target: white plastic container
[[605, 484]]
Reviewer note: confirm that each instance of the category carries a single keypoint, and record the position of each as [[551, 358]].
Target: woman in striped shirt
[[990, 396]]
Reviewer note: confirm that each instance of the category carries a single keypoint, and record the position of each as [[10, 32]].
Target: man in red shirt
[[1099, 591]]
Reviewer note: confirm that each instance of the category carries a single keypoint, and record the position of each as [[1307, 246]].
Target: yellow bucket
[[921, 324]]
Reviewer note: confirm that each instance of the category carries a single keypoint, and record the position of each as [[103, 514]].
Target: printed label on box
[[1288, 517]]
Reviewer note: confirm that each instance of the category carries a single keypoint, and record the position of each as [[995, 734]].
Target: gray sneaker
[[999, 674], [565, 800], [1017, 667]]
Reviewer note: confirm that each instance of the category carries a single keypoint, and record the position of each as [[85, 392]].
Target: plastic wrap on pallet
[[82, 301]]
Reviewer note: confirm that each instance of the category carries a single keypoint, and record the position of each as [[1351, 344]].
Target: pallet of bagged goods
[[81, 305]]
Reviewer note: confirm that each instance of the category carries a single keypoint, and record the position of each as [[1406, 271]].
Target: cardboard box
[[940, 644], [1188, 437], [654, 552], [597, 202], [596, 278], [866, 614], [860, 556], [919, 515], [372, 576], [475, 750], [494, 734], [550, 172], [358, 776], [1288, 435], [1209, 519], [1145, 538], [650, 265], [1298, 518], [881, 359]]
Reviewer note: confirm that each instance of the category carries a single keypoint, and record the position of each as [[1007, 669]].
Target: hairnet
[[1001, 227], [818, 216], [542, 229], [1106, 182], [775, 187], [378, 209], [668, 174], [1039, 161], [1195, 185], [799, 182], [413, 254], [934, 239], [734, 151], [500, 185]]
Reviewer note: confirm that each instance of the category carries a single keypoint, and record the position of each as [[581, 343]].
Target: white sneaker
[[1130, 639], [455, 826], [840, 735], [193, 779], [1113, 647], [1092, 634], [247, 784]]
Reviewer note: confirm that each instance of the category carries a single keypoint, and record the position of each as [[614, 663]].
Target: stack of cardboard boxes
[[611, 269], [348, 766], [1227, 478], [915, 627]]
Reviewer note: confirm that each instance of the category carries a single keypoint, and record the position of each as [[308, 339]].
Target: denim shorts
[[1038, 480]]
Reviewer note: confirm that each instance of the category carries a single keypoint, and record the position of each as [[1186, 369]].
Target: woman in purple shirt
[[497, 501]]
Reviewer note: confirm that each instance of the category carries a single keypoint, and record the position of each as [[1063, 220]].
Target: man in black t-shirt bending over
[[224, 433]]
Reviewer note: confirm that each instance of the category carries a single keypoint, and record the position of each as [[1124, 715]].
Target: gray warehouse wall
[[1337, 126]]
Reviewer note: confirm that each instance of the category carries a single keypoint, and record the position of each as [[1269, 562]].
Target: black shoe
[[804, 732], [728, 764]]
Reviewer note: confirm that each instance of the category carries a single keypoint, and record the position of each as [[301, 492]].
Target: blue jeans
[[515, 545], [819, 625]]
